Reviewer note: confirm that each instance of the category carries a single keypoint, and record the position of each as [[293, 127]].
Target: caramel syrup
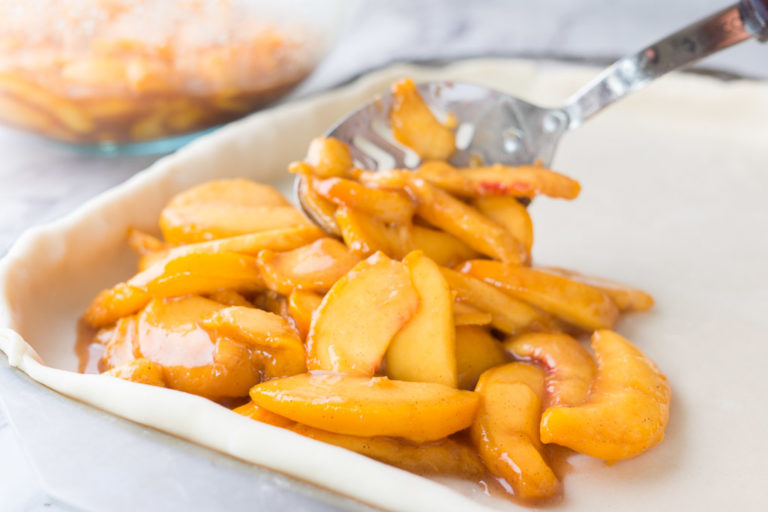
[[88, 351]]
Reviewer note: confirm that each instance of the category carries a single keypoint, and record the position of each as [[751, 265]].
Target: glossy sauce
[[87, 350], [488, 489]]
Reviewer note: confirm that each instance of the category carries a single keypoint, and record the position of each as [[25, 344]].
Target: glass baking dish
[[148, 75]]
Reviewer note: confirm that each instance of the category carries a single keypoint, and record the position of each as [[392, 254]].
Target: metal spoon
[[500, 128]]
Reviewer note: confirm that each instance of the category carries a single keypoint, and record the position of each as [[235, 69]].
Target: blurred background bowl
[[122, 76]]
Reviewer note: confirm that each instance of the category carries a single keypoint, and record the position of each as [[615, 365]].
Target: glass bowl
[[148, 75]]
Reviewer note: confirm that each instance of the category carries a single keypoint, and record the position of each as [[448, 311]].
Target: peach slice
[[168, 334], [424, 350], [444, 249], [366, 235], [465, 223], [576, 303], [510, 214], [254, 412], [476, 352], [385, 205], [151, 258], [505, 431], [365, 406], [119, 342], [627, 410], [570, 368], [324, 209], [279, 349], [329, 157], [112, 304], [143, 243], [199, 273], [273, 302], [464, 314], [508, 314], [238, 191], [443, 457], [513, 373], [499, 180], [352, 328], [625, 297], [231, 373], [391, 179], [226, 208], [455, 217], [199, 223], [282, 239], [277, 239], [312, 267], [149, 248], [229, 298], [168, 331], [142, 371], [301, 306], [414, 125]]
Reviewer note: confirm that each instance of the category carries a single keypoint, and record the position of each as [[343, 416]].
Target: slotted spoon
[[500, 128]]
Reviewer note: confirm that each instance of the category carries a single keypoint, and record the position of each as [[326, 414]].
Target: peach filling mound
[[423, 337]]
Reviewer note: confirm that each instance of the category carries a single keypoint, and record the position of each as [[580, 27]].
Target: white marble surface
[[40, 181]]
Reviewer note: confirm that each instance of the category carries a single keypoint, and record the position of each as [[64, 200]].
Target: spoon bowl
[[493, 127]]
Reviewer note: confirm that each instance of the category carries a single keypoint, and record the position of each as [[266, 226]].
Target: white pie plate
[[674, 184]]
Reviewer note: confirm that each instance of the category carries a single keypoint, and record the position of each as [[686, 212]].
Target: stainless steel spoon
[[497, 127]]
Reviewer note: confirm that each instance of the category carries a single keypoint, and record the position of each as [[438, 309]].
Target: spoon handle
[[748, 18]]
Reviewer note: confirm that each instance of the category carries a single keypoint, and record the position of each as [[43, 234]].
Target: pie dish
[[660, 163]]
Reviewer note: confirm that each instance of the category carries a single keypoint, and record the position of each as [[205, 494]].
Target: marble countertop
[[40, 181]]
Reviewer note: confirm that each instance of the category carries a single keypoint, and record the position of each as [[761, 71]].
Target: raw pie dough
[[673, 182]]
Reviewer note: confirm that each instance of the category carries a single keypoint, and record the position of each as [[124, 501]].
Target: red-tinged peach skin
[[576, 303], [505, 431], [313, 267], [570, 368], [627, 410], [465, 223], [500, 180], [359, 316]]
